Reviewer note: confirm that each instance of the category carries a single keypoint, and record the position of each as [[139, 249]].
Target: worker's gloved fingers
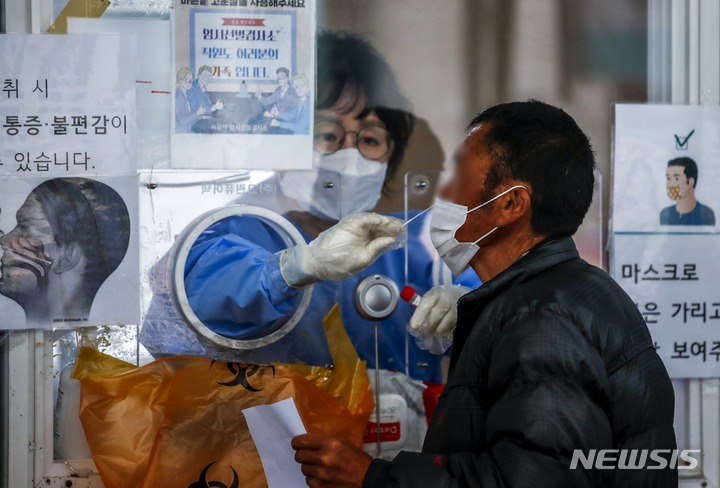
[[385, 224], [373, 225], [420, 318], [377, 247], [349, 246], [437, 311], [435, 319], [436, 316], [447, 324]]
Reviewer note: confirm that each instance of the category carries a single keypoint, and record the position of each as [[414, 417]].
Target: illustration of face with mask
[[678, 184], [71, 234], [681, 178]]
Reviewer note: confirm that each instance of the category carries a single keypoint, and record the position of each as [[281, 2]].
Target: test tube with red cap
[[411, 296]]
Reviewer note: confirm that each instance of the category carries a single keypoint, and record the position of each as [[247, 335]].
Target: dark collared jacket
[[549, 356]]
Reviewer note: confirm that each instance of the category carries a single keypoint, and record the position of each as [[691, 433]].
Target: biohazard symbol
[[203, 482], [241, 374]]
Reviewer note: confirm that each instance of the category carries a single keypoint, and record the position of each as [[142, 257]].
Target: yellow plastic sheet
[[177, 421]]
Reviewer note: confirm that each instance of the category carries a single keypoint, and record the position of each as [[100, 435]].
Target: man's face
[[465, 182], [27, 253], [204, 77], [300, 88], [282, 78]]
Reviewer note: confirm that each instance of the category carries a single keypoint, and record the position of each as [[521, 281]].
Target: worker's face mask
[[361, 181], [447, 218], [674, 191]]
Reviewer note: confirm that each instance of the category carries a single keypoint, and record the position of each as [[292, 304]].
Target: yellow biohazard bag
[[178, 421]]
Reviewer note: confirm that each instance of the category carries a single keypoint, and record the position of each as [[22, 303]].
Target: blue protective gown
[[236, 293]]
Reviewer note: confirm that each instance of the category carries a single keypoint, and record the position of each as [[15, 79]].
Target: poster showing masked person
[[244, 77], [664, 232], [69, 252]]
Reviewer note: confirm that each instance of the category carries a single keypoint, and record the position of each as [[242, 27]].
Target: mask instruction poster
[[68, 192], [243, 84], [665, 238]]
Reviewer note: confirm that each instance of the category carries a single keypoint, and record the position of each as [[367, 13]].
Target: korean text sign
[[68, 179], [664, 231], [67, 105]]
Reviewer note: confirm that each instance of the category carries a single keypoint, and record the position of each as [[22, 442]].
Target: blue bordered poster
[[665, 234], [243, 84]]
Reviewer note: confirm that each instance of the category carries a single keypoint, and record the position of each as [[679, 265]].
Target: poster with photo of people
[[243, 84]]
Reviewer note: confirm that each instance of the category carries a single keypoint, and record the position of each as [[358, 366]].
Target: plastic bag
[[177, 421]]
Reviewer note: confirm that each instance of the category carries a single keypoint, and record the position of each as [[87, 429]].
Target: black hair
[[283, 70], [541, 145], [689, 167], [94, 216], [348, 62]]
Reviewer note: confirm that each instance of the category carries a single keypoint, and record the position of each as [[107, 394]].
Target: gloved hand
[[343, 250], [435, 318]]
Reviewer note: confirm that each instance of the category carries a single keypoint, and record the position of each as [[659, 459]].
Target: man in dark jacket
[[551, 360]]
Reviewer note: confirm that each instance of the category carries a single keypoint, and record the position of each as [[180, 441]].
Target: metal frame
[[684, 68], [176, 271], [30, 419]]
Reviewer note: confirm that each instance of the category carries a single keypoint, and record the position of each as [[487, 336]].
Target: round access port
[[284, 235]]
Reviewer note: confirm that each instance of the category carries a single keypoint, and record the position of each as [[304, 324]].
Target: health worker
[[242, 282]]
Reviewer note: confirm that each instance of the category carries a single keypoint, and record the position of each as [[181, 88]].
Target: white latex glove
[[343, 250], [435, 318]]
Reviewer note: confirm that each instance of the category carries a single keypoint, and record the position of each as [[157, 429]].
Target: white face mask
[[361, 179], [361, 182], [447, 218]]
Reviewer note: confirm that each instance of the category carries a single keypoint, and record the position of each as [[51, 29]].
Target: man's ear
[[68, 257], [691, 182], [514, 207]]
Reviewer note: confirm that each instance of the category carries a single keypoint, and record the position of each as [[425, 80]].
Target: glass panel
[[420, 188]]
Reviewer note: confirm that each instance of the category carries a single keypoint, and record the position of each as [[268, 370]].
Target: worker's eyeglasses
[[373, 142]]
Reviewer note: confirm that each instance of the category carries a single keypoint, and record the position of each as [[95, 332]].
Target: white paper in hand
[[272, 428]]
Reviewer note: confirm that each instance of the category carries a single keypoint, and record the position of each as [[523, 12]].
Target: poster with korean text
[[68, 182], [67, 105], [243, 84], [665, 238]]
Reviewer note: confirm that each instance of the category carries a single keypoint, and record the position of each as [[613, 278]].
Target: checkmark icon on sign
[[683, 144]]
